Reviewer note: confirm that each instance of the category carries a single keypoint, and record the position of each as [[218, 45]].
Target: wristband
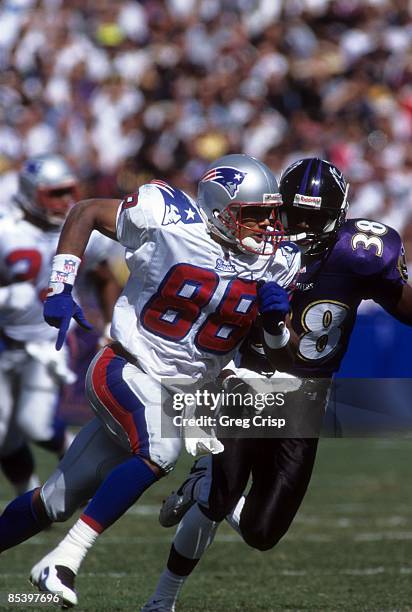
[[277, 341], [64, 271], [225, 381]]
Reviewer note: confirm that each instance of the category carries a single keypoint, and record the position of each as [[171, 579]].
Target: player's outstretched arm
[[107, 292], [86, 216], [280, 341], [282, 359], [400, 305]]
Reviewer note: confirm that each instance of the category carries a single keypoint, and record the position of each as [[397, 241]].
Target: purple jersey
[[366, 262]]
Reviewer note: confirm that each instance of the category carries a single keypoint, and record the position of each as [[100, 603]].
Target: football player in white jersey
[[189, 302], [32, 372]]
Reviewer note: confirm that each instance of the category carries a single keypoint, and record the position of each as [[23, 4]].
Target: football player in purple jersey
[[344, 262]]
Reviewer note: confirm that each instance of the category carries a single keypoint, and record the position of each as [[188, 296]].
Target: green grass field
[[348, 549]]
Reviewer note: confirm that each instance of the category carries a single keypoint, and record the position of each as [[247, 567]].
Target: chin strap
[[216, 233]]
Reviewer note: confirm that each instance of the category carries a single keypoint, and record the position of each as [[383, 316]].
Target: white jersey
[[188, 302], [26, 254]]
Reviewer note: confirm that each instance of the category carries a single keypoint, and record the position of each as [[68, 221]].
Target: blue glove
[[58, 311], [273, 302]]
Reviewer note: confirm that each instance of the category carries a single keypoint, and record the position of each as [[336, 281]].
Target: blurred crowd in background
[[129, 90]]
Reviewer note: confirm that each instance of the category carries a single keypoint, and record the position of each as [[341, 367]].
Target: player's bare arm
[[400, 306], [107, 287], [283, 358], [86, 216], [274, 307]]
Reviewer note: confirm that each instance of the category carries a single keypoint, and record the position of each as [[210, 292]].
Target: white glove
[[55, 361], [199, 441], [254, 383], [18, 296], [197, 446]]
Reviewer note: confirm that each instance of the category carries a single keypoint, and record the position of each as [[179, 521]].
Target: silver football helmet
[[236, 188], [47, 188]]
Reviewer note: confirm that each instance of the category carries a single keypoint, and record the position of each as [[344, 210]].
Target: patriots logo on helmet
[[33, 166], [225, 176]]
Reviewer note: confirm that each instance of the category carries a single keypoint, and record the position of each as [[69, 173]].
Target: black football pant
[[280, 468]]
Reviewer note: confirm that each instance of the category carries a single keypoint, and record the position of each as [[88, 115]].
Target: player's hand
[[239, 392], [200, 446], [234, 384], [273, 302], [58, 311]]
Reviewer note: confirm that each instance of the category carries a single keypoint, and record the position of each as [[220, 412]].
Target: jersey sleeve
[[392, 272], [139, 213]]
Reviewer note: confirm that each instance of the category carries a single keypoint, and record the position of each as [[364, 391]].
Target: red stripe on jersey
[[102, 391]]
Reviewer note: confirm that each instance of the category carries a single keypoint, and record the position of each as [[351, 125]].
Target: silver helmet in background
[[48, 188], [231, 185]]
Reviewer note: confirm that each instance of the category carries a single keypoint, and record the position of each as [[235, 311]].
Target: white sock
[[168, 588], [74, 546], [234, 517], [194, 534]]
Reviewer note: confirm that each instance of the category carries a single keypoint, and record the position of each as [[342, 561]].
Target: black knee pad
[[260, 535], [260, 539]]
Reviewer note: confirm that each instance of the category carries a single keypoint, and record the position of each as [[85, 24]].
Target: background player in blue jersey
[[344, 262]]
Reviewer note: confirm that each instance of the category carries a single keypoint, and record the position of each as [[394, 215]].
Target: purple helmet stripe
[[303, 186], [316, 185]]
